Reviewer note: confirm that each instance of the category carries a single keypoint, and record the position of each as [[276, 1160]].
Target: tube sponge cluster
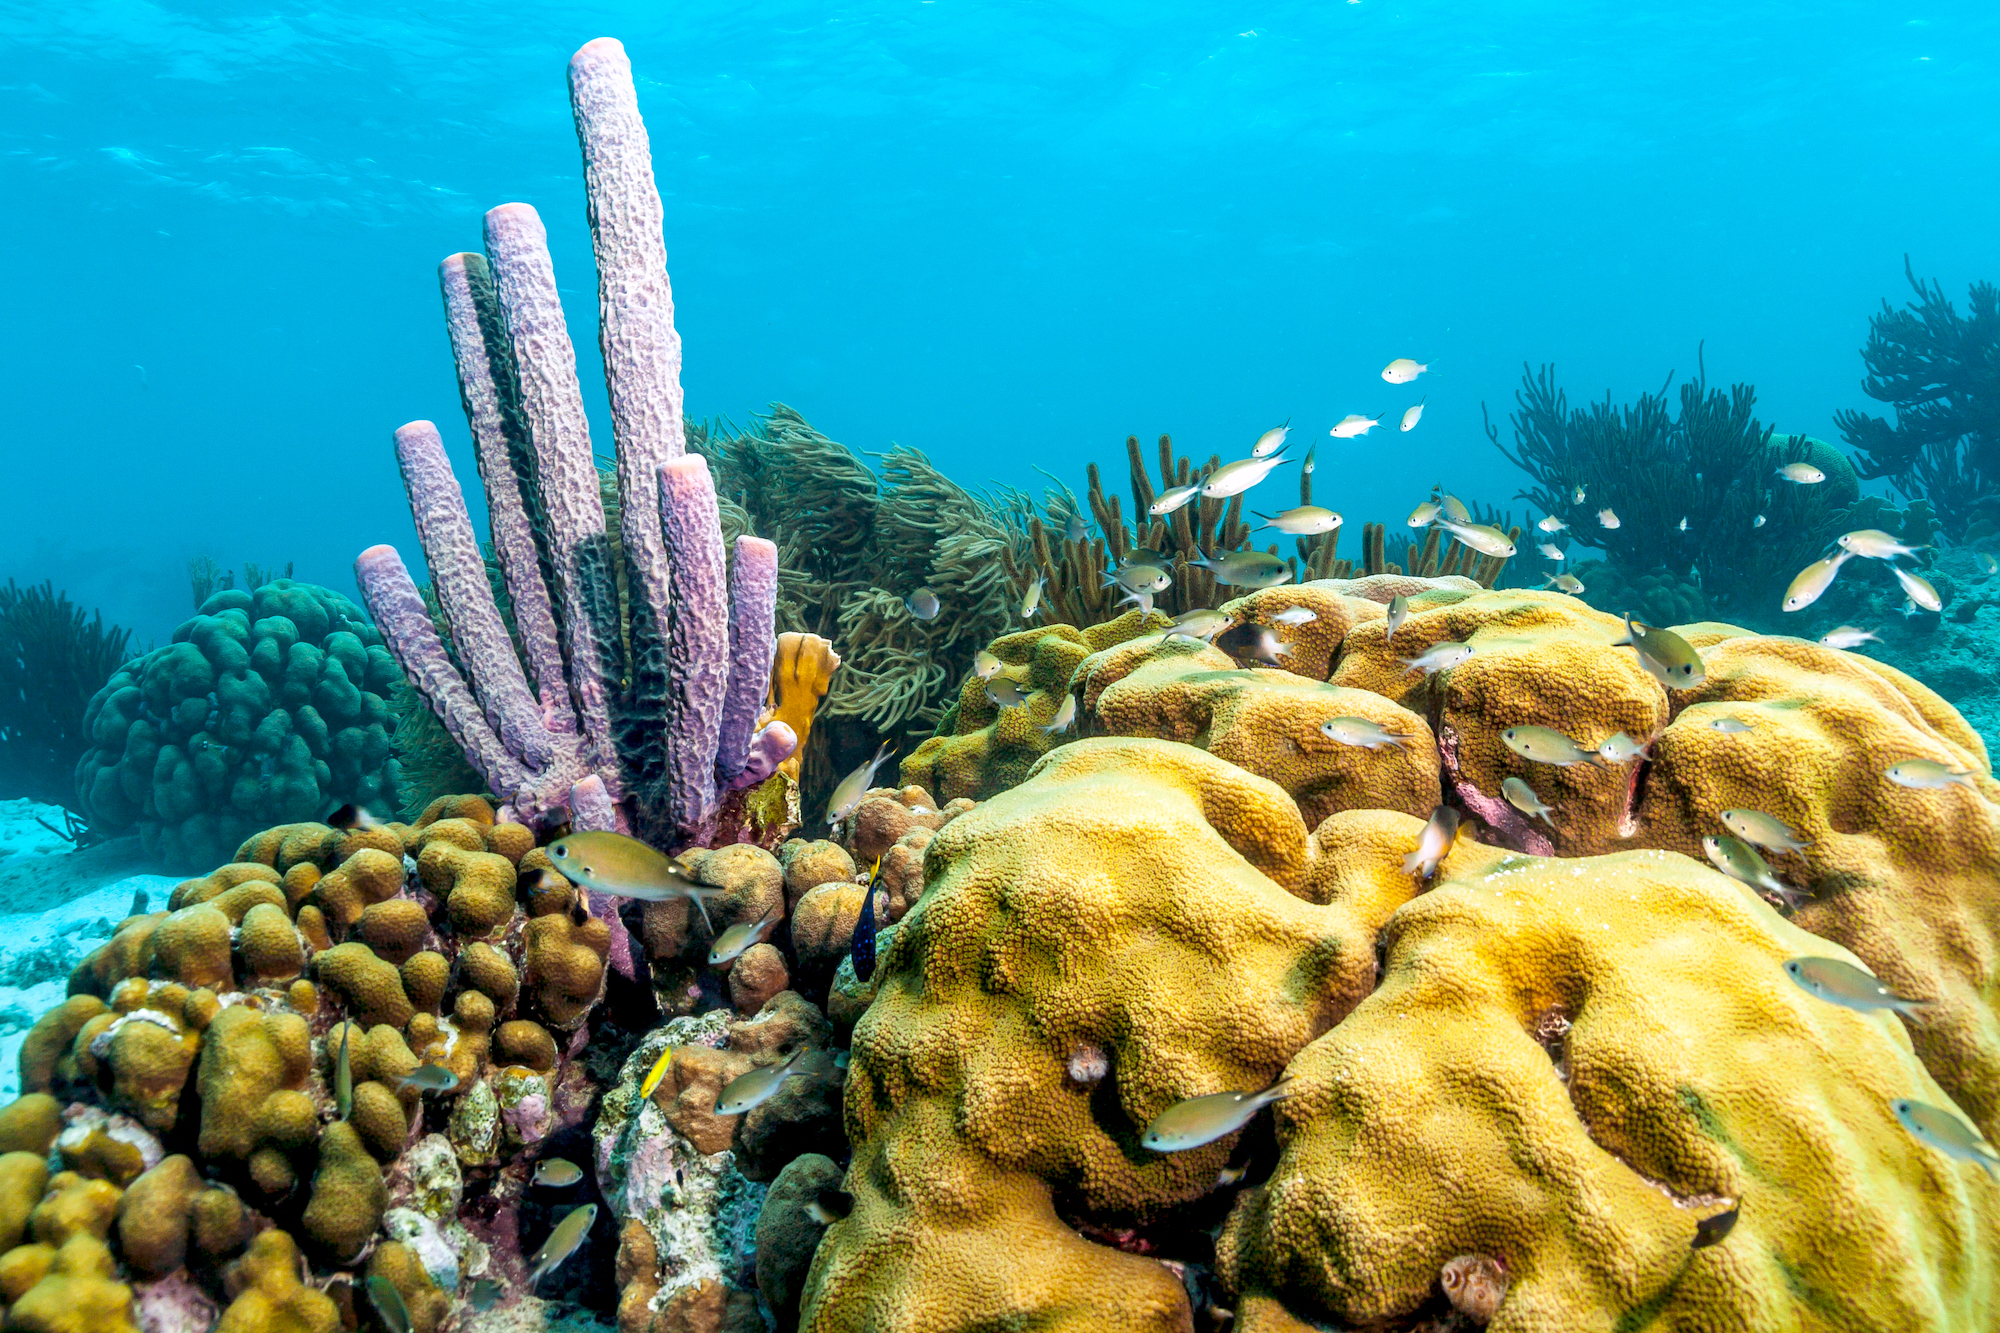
[[268, 707]]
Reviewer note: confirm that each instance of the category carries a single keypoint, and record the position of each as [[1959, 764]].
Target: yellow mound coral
[[80, 1294], [983, 748], [348, 1195], [247, 1056], [564, 970], [370, 988], [1567, 1064], [192, 946], [45, 1051], [267, 1296]]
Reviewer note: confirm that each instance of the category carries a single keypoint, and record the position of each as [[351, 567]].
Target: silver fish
[[1578, 495], [1198, 1120], [1271, 441], [1433, 844], [1200, 623], [1404, 369], [1481, 537], [1004, 693], [556, 1173], [923, 604], [429, 1078], [1802, 474], [1760, 829], [1846, 985], [759, 1085], [1523, 798], [1411, 416], [1247, 569], [562, 1242], [1399, 611], [1847, 636], [1305, 521], [1354, 424], [1729, 726], [1607, 518], [1455, 510], [1032, 602], [1065, 717], [1948, 1133], [847, 796], [1875, 544], [1551, 524], [1568, 583], [1295, 615], [1238, 477], [1740, 861], [1438, 657], [1918, 589], [1140, 578], [1425, 514], [985, 665], [731, 943], [1076, 529], [1545, 746], [1618, 748], [1665, 655], [1929, 775], [1551, 551], [1814, 580], [1361, 733], [1171, 500]]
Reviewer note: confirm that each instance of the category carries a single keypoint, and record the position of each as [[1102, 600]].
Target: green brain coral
[[268, 707]]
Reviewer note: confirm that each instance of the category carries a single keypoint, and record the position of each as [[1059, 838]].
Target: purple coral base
[[1510, 824]]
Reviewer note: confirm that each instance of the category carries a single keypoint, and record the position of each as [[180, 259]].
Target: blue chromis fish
[[1665, 655], [1754, 826], [1846, 985], [1948, 1133], [1201, 623], [1238, 477], [846, 798], [759, 1085], [1354, 424], [1361, 733], [388, 1303], [627, 868], [1545, 745], [562, 1242], [923, 604], [1305, 521], [1740, 861], [1198, 1120], [861, 947]]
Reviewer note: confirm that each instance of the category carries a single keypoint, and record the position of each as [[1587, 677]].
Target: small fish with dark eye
[[1814, 580], [1005, 693], [829, 1206], [1741, 862], [1948, 1133], [349, 817], [556, 1173], [1618, 748], [1551, 524], [1404, 369], [1140, 577], [1729, 726], [1523, 798], [1238, 477], [1434, 843], [731, 943], [1846, 985], [1918, 589], [1551, 551], [1714, 1229], [1361, 733], [1568, 583], [1031, 602], [1988, 563], [1577, 495], [1762, 830], [1481, 537], [1802, 474], [1545, 745], [847, 797], [1847, 636], [1200, 623], [1065, 717], [1197, 1120], [484, 1294], [624, 867], [1077, 528], [1295, 615], [388, 1303], [1875, 544], [1607, 518], [1308, 466], [1271, 441], [562, 1243], [1664, 655], [1438, 657], [1411, 416], [985, 665], [1305, 521], [923, 604], [1425, 514], [1171, 500], [753, 1089], [1354, 424], [428, 1078], [1929, 775], [1246, 569], [1399, 611]]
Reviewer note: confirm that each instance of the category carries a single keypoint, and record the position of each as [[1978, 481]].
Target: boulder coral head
[[634, 701], [269, 707]]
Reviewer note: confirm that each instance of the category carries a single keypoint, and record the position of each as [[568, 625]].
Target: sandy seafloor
[[56, 905]]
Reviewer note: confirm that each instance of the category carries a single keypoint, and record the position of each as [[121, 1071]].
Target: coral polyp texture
[[269, 706], [633, 701]]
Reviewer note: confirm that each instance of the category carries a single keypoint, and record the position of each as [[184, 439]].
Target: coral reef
[[633, 698], [1934, 366], [1710, 477], [51, 662], [268, 707]]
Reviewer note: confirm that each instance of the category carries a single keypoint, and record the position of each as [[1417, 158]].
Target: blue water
[[1006, 234]]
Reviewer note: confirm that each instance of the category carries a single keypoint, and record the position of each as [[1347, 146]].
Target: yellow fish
[[656, 1073], [1918, 589], [1929, 775], [1425, 513]]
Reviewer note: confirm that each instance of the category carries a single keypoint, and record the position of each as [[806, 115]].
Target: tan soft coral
[[1132, 912], [1567, 1064]]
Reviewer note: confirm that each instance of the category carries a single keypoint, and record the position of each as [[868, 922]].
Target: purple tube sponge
[[628, 695]]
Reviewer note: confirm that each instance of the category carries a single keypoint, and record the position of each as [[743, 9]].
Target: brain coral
[[267, 707]]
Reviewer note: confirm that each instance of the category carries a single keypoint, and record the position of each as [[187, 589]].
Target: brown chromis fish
[[1929, 775], [1846, 985], [1246, 569], [388, 1303], [1481, 537], [1665, 655], [1354, 424], [1433, 843], [1523, 798], [1305, 521], [731, 943], [429, 1078], [1271, 441], [1568, 583], [1399, 611], [627, 868], [1198, 1120], [1875, 544], [1714, 1229], [1545, 745], [1740, 861], [1361, 733], [758, 1086], [847, 796], [1005, 693], [1802, 474], [556, 1173], [1065, 717], [1814, 580], [1948, 1133], [1438, 657], [1200, 623], [1618, 748], [562, 1242], [1754, 826], [985, 665], [1031, 602]]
